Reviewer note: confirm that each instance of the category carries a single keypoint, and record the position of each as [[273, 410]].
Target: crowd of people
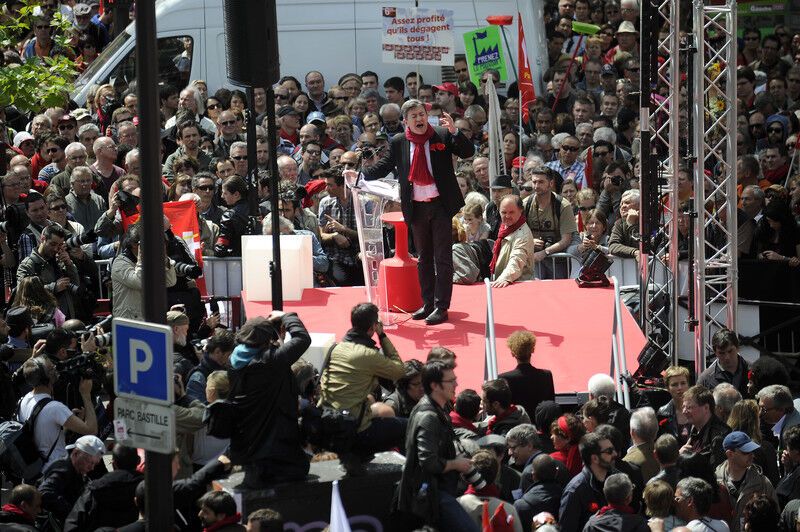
[[720, 454]]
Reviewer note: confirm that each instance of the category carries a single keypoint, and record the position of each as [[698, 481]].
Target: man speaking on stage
[[422, 160]]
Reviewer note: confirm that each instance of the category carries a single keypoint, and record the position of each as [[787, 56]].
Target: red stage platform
[[573, 327]]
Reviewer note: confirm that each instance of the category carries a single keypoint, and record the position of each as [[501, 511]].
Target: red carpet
[[572, 327]]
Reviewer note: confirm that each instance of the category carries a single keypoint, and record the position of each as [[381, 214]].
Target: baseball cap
[[518, 162], [19, 316], [502, 181], [21, 137], [91, 445], [287, 110], [608, 70], [80, 113], [66, 118], [316, 116], [739, 440], [176, 317], [450, 87], [81, 10], [381, 135]]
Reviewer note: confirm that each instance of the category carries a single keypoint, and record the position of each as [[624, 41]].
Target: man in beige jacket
[[512, 258]]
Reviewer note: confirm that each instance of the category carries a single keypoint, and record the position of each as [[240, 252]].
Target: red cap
[[450, 87], [518, 162]]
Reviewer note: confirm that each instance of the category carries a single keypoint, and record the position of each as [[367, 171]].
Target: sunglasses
[[205, 188], [570, 148], [586, 209], [775, 130], [239, 158], [282, 97], [66, 126], [213, 106], [53, 150], [526, 189], [754, 126]]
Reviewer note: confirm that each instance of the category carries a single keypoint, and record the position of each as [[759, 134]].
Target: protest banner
[[418, 36], [484, 52]]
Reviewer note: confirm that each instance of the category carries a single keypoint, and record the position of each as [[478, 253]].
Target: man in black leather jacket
[[235, 221], [429, 485], [266, 438]]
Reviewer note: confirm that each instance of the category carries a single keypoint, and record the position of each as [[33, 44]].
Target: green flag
[[484, 52]]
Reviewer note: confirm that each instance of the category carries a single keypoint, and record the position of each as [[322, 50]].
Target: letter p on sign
[[141, 358]]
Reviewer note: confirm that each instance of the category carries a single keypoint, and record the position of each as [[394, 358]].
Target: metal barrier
[[223, 276]]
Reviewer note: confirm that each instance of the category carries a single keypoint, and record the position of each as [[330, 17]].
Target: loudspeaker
[[251, 41]]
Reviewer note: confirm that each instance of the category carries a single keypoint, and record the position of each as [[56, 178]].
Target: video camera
[[82, 366], [192, 271], [128, 203]]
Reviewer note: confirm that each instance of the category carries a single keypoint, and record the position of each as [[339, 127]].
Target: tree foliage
[[37, 83]]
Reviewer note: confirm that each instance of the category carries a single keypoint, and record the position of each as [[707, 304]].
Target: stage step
[[306, 505]]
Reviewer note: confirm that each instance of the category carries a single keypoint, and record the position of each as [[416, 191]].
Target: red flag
[[501, 521], [486, 524], [589, 168], [183, 217], [527, 93]]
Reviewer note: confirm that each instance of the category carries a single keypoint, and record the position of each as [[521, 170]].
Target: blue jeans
[[452, 515]]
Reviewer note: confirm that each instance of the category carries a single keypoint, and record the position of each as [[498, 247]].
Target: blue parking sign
[[143, 361]]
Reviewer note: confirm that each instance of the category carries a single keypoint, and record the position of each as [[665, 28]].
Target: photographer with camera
[[74, 360], [351, 373], [126, 276], [265, 437], [429, 484], [184, 291], [216, 357], [124, 199], [616, 180], [551, 221], [53, 265]]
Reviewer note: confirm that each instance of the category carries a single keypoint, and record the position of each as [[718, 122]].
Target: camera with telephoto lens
[[192, 271], [77, 367], [616, 180], [15, 223], [473, 476], [368, 151], [76, 241], [100, 340], [128, 203]]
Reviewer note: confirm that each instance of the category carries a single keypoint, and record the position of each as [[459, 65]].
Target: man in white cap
[[65, 479], [627, 38], [26, 143]]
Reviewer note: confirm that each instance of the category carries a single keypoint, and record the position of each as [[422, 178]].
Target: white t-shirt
[[706, 524], [48, 425]]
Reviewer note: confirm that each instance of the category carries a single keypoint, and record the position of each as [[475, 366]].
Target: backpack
[[19, 455]]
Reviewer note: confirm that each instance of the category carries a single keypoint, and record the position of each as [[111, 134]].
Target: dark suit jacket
[[530, 386], [398, 160]]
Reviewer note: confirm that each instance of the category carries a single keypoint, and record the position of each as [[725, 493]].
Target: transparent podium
[[391, 284]]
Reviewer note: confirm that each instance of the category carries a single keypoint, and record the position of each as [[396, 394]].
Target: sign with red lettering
[[418, 36]]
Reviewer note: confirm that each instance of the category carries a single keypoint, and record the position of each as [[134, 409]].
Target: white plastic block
[[296, 266], [316, 353]]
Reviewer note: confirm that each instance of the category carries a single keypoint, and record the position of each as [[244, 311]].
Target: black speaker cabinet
[[251, 40]]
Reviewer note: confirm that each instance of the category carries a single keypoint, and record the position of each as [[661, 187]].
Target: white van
[[332, 36]]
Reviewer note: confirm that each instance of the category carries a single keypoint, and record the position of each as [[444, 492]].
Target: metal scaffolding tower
[[660, 133], [714, 131]]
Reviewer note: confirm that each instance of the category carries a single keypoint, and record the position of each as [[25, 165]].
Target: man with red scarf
[[422, 160], [617, 514], [512, 255], [22, 508]]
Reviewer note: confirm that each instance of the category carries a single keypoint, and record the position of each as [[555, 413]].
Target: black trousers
[[432, 231]]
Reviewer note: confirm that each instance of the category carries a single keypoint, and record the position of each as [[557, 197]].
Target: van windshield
[[101, 60]]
